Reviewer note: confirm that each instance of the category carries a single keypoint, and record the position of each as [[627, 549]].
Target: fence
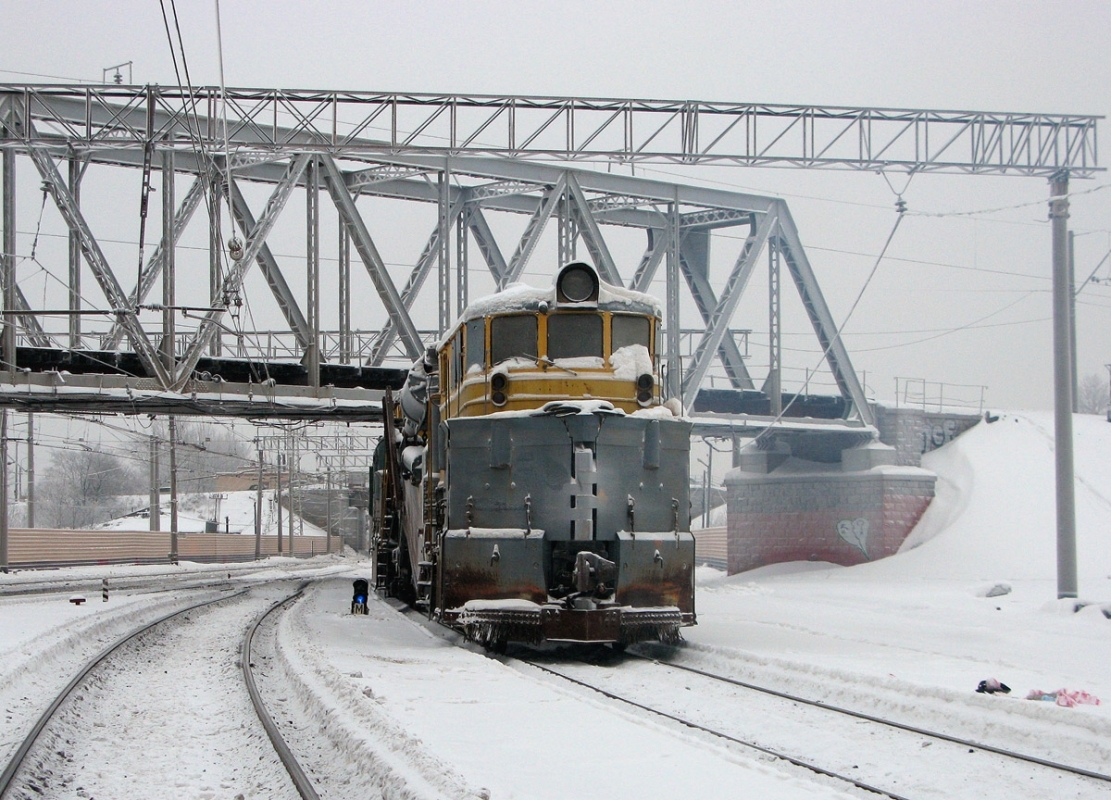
[[28, 548], [935, 396], [710, 547]]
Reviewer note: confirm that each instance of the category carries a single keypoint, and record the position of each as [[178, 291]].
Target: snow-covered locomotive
[[531, 484]]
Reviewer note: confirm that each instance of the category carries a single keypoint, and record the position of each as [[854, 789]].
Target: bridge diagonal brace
[[30, 324], [367, 251], [591, 235], [153, 267], [717, 320], [413, 286], [234, 279], [268, 265], [837, 357], [487, 245], [535, 228], [94, 257], [650, 261]]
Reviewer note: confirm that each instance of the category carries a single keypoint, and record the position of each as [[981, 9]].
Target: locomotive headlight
[[645, 383], [577, 283], [498, 384]]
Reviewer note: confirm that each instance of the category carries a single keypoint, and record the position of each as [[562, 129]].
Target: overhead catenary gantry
[[472, 156]]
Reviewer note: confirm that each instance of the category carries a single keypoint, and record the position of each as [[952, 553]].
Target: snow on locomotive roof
[[522, 297]]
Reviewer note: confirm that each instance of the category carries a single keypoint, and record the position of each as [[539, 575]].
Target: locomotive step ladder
[[382, 567], [424, 583]]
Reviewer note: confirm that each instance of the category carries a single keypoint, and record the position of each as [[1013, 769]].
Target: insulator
[[235, 249]]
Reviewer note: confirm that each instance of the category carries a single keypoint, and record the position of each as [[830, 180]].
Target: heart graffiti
[[855, 532]]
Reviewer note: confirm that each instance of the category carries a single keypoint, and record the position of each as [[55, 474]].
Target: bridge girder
[[451, 151]]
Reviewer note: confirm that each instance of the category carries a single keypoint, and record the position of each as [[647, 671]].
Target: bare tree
[[204, 451], [83, 488], [1092, 395]]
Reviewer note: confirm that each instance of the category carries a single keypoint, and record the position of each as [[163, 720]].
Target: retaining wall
[[822, 514]]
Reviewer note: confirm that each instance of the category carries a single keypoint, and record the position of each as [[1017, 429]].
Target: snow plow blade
[[553, 623]]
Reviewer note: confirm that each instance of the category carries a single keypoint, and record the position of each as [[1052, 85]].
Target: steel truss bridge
[[474, 158]]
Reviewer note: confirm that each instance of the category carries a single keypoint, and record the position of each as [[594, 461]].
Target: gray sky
[[961, 299]]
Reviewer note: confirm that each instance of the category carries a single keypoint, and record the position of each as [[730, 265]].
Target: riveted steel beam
[[416, 280], [268, 266], [375, 267], [533, 231], [487, 245], [836, 356], [717, 312], [234, 279], [590, 233], [154, 265], [94, 257]]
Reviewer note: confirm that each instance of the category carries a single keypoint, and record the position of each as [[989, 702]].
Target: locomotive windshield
[[630, 330], [512, 336], [574, 335]]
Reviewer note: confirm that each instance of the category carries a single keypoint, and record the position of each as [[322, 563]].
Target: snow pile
[[995, 515]]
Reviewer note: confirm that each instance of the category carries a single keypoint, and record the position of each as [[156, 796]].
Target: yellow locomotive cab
[[578, 342]]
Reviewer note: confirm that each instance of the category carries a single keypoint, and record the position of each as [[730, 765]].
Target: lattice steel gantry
[[472, 156]]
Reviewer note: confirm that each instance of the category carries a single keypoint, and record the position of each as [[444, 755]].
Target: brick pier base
[[783, 509]]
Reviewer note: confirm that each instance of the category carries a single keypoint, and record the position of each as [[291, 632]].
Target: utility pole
[[155, 489], [289, 517], [4, 490], [328, 525], [30, 469], [173, 489], [258, 506], [1062, 396], [1072, 321], [278, 497]]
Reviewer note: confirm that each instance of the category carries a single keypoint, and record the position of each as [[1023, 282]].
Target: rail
[[289, 761], [28, 742]]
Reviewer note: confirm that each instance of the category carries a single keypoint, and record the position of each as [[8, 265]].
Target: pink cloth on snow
[[1065, 698]]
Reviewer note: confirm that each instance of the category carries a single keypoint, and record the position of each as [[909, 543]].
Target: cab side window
[[476, 343], [456, 359]]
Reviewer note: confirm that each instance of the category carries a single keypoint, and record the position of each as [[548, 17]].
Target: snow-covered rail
[[297, 774], [16, 761], [884, 756], [1003, 751], [687, 722]]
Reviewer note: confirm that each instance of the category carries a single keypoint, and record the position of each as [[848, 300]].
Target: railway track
[[296, 772], [1051, 781], [20, 778]]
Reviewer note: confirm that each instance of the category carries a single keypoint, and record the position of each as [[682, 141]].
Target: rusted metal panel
[[483, 565], [656, 569]]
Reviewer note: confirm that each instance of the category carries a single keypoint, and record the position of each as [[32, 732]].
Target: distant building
[[246, 480]]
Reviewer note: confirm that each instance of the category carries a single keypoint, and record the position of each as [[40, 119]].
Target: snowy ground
[[908, 638], [234, 512]]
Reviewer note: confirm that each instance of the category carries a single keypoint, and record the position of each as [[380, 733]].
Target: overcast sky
[[961, 299]]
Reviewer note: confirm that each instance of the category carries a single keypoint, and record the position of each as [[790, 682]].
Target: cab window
[[574, 335], [456, 359], [476, 343], [512, 336], [630, 330]]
